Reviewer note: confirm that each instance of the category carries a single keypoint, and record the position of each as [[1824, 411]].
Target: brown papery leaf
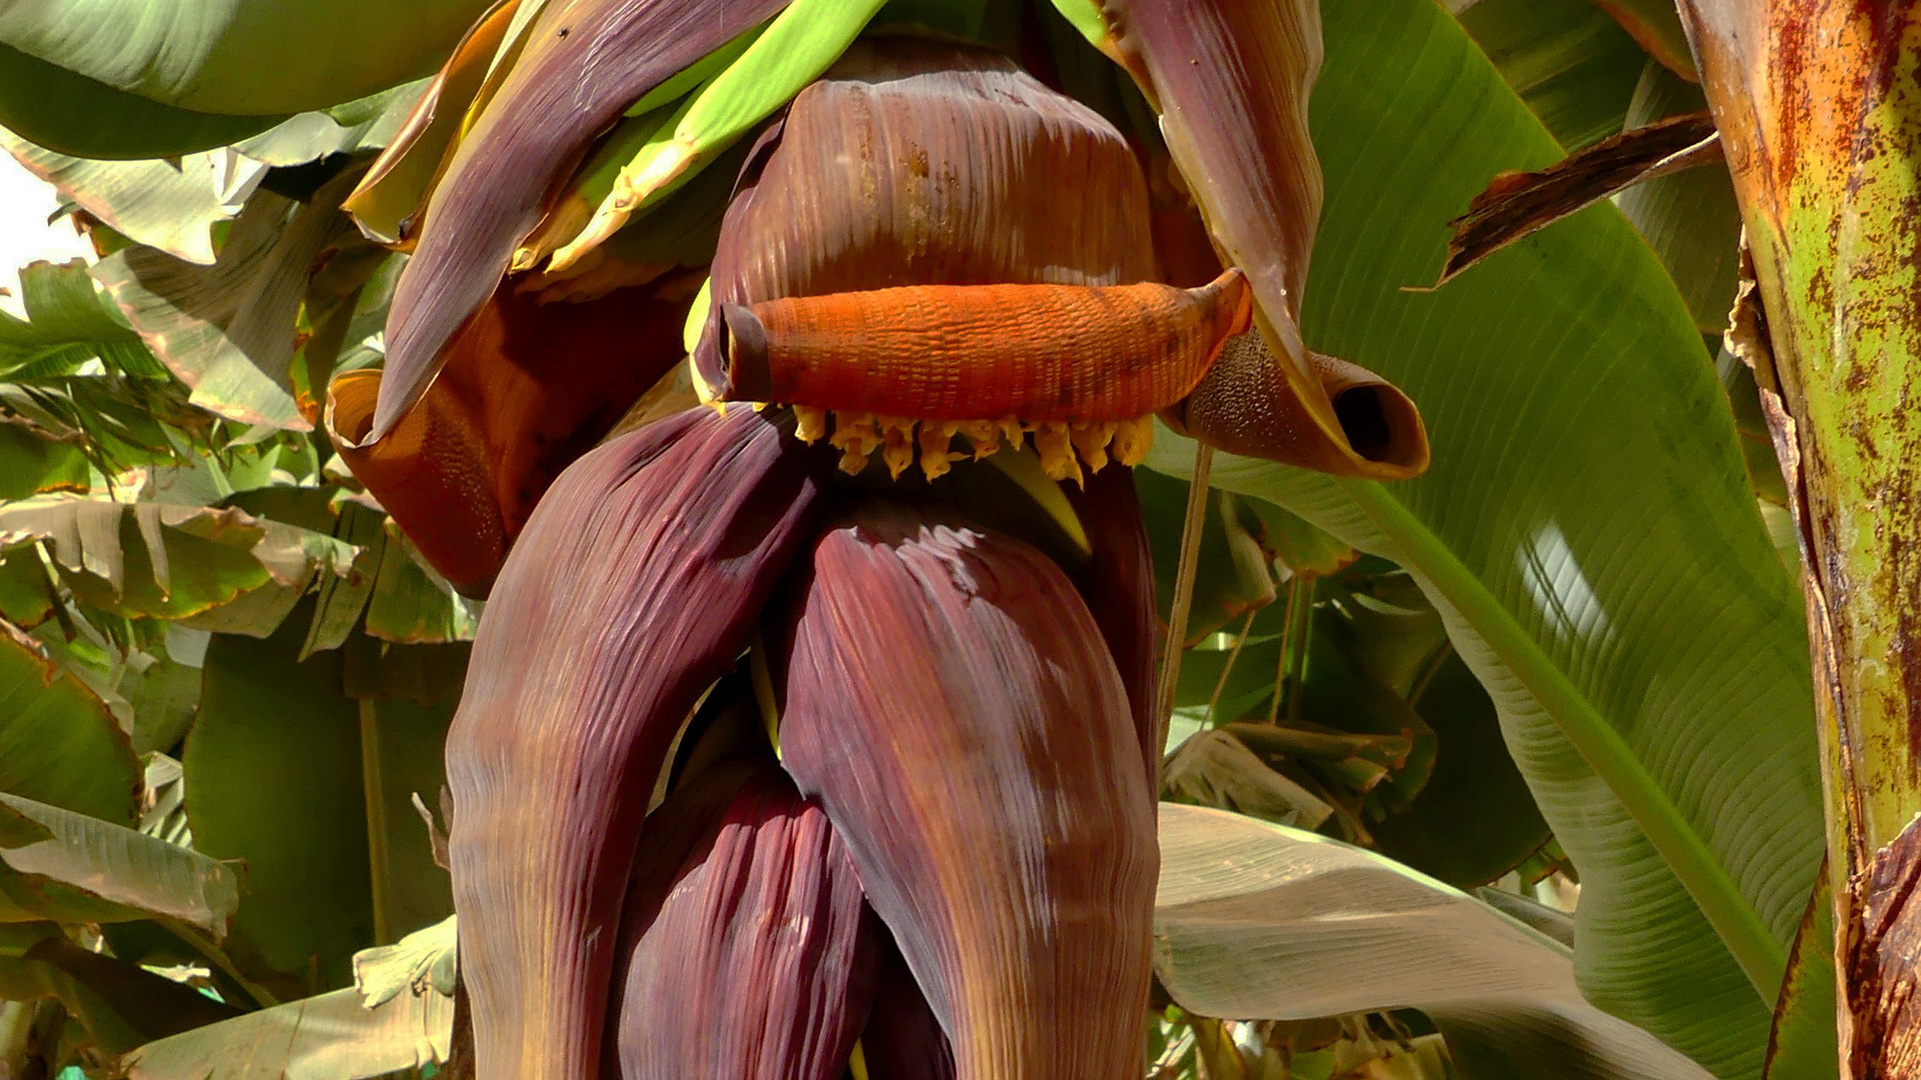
[[951, 704], [1231, 79], [630, 592], [528, 388], [1518, 204], [918, 163], [753, 956], [584, 63]]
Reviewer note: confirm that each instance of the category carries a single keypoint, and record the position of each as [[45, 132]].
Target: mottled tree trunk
[[1819, 105]]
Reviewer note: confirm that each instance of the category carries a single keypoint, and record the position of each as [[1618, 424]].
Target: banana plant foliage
[[1261, 920], [244, 57], [1586, 530]]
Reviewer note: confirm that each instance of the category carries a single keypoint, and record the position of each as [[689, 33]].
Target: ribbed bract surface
[[754, 956], [584, 63], [629, 593], [951, 704], [919, 163]]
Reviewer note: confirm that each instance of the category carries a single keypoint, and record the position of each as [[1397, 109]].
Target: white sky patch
[[1559, 589], [25, 236]]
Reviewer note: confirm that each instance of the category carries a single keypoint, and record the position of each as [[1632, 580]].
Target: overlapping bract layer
[[630, 592], [584, 63], [914, 163], [949, 701], [753, 956], [528, 387]]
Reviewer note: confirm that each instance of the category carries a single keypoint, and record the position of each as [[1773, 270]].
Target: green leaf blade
[[1586, 527]]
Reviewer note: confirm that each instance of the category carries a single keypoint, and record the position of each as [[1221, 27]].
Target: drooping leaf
[[752, 957], [1585, 468], [329, 1037], [68, 322], [32, 465], [1260, 921], [59, 744], [794, 49], [228, 330], [387, 201], [1004, 835], [170, 204], [169, 561], [273, 776], [347, 128], [116, 1004], [93, 871], [410, 603], [582, 66], [68, 113], [527, 387], [258, 58], [1231, 81], [630, 593]]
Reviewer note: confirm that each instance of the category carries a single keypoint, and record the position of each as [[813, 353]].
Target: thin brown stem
[[1183, 586]]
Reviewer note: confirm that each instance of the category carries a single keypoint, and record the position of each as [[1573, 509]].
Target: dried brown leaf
[[1518, 204]]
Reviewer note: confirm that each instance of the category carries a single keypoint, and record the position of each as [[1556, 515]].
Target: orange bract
[[985, 352]]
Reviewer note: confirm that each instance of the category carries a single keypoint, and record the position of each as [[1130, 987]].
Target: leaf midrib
[[1761, 957]]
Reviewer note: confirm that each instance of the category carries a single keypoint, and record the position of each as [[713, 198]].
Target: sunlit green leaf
[[1586, 529], [1259, 921], [93, 871]]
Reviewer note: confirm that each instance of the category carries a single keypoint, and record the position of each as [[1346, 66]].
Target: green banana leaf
[[398, 1016], [72, 114], [1574, 66], [170, 204], [68, 323], [1260, 921], [273, 775], [229, 330], [244, 58], [59, 744], [1586, 530], [93, 871], [115, 1004], [158, 560]]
